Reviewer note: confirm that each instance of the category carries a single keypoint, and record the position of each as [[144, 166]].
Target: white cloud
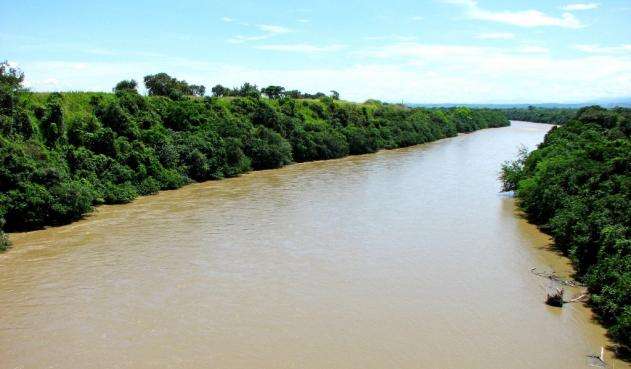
[[525, 73], [268, 32], [417, 18], [597, 49], [50, 82], [239, 39], [523, 18], [497, 78], [100, 51], [227, 19], [301, 48], [495, 36], [398, 38], [421, 51], [533, 50], [408, 71], [580, 6], [272, 29]]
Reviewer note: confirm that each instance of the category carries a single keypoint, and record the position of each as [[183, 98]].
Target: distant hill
[[606, 103]]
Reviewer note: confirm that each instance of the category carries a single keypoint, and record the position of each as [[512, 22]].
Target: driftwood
[[554, 295], [598, 360], [553, 277], [581, 298], [555, 298]]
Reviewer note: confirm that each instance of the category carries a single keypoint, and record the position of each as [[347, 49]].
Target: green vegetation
[[4, 241], [577, 186], [541, 115], [63, 153]]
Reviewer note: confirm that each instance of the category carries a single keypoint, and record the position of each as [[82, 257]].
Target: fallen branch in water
[[555, 298], [581, 298], [552, 276], [554, 295], [598, 360]]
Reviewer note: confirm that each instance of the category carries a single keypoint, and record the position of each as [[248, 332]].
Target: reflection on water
[[402, 259]]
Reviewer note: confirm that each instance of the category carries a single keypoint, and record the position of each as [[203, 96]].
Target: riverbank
[[283, 266], [66, 153], [576, 188], [107, 207]]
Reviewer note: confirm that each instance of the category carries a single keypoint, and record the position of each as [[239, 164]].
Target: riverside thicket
[[540, 115], [63, 153], [577, 186]]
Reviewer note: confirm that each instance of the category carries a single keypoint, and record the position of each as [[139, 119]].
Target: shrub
[[268, 149], [61, 154], [576, 186]]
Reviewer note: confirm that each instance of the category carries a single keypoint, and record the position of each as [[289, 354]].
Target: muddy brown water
[[407, 258]]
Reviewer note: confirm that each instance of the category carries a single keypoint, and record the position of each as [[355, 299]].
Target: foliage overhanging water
[[408, 258]]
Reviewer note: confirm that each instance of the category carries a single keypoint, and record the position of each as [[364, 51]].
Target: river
[[408, 258]]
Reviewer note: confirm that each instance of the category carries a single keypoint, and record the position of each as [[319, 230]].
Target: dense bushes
[[267, 149], [577, 185], [61, 154]]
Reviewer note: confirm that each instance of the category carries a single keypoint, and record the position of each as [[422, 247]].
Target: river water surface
[[407, 258]]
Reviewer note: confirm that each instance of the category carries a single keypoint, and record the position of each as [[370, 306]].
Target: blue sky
[[432, 51]]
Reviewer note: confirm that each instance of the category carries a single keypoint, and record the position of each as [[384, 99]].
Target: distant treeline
[[162, 84], [63, 153], [540, 115], [577, 186]]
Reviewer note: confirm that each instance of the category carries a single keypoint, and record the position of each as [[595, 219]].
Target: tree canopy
[[64, 153], [577, 186], [162, 84], [541, 115]]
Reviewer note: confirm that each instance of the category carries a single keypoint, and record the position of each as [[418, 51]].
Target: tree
[[53, 127], [162, 84], [10, 83], [268, 149], [317, 95], [575, 185], [335, 95], [4, 240], [220, 91], [126, 85], [197, 90], [14, 117], [116, 118], [294, 94], [273, 92], [122, 145], [10, 76], [249, 90]]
